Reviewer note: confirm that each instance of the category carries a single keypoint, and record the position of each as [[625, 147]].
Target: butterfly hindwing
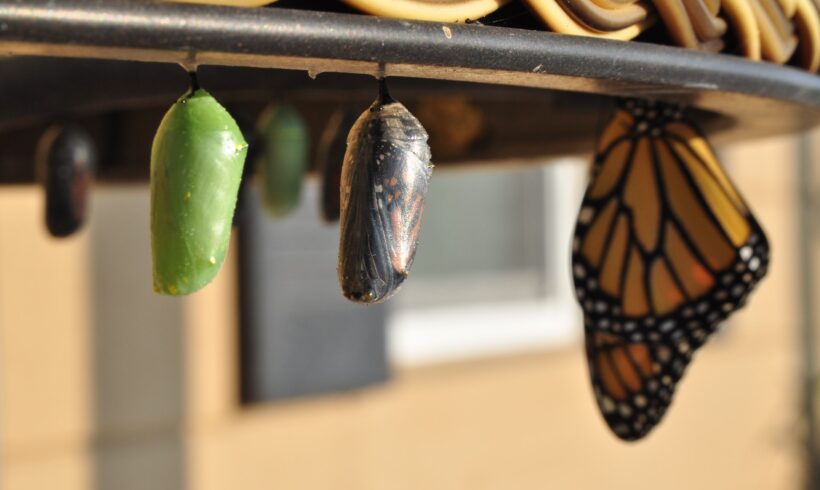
[[634, 381]]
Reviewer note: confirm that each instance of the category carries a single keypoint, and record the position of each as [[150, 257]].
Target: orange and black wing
[[634, 381], [665, 247]]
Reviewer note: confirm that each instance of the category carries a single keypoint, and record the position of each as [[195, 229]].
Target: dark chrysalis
[[385, 175], [331, 156], [248, 170], [66, 159]]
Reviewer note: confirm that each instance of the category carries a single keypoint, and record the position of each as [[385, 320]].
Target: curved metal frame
[[760, 98]]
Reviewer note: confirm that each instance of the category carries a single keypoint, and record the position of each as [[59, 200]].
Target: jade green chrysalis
[[284, 158], [196, 167]]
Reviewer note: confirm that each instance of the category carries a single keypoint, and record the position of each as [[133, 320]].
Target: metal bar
[[321, 41], [806, 265]]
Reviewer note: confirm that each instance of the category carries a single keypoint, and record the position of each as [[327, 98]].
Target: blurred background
[[473, 377]]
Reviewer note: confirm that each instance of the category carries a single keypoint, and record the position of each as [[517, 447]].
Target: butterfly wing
[[634, 381], [665, 247]]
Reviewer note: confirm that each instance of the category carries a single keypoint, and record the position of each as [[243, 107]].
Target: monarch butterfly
[[284, 139], [196, 166], [66, 159], [331, 155], [664, 249], [384, 180]]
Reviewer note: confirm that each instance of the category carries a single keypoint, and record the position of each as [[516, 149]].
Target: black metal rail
[[761, 98]]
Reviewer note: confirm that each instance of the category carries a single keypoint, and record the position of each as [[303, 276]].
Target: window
[[492, 272]]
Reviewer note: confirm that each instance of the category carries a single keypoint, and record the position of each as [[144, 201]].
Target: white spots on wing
[[663, 354], [585, 215], [579, 271], [754, 264], [607, 405]]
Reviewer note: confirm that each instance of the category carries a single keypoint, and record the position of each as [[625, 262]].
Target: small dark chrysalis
[[331, 156], [384, 180], [248, 171], [66, 159]]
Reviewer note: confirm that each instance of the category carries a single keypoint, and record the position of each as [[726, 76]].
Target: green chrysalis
[[196, 167], [284, 159]]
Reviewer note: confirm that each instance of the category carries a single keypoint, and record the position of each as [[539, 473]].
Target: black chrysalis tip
[[330, 158], [194, 81], [66, 159], [384, 94]]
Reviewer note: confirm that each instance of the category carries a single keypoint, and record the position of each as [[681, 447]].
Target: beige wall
[[140, 392]]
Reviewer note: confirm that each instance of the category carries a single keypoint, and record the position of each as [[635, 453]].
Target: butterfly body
[[383, 184], [665, 249]]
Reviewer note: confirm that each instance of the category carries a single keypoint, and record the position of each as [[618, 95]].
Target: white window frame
[[448, 333]]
